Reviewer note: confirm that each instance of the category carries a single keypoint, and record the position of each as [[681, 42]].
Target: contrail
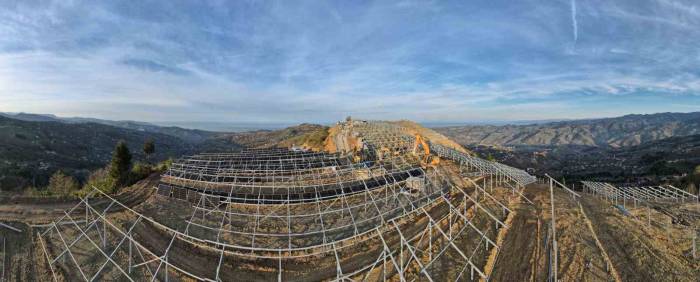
[[573, 20]]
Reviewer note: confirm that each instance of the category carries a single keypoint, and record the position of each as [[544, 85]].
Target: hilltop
[[308, 135]]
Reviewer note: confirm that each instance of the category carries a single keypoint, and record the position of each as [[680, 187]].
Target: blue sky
[[319, 61]]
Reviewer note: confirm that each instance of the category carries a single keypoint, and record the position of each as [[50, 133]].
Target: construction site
[[379, 201]]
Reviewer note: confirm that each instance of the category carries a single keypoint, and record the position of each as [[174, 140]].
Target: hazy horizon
[[234, 126]]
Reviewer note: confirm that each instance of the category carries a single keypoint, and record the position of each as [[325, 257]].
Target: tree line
[[120, 172]]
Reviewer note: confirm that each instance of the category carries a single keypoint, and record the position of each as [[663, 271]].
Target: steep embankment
[[432, 135]]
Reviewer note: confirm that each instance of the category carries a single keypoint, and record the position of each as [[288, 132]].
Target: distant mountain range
[[171, 127], [616, 132], [190, 135]]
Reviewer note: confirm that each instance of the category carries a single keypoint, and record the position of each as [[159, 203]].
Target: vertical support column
[[401, 258], [554, 228], [449, 230], [86, 212], [430, 241], [130, 246], [279, 273], [166, 267], [695, 238], [4, 257], [464, 202], [104, 235], [384, 266]]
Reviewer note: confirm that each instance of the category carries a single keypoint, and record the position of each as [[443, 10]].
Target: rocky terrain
[[616, 132]]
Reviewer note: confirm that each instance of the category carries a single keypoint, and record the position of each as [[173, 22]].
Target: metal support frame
[[284, 207]]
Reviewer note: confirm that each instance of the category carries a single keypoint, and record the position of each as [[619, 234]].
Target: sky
[[319, 61]]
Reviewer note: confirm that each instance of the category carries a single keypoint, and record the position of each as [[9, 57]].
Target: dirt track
[[520, 249], [637, 252], [641, 252]]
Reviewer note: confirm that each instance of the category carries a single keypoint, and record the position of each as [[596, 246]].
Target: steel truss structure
[[284, 215], [380, 136], [645, 196], [4, 259], [623, 194]]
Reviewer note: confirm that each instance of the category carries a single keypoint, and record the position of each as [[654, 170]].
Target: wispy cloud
[[311, 61], [574, 24]]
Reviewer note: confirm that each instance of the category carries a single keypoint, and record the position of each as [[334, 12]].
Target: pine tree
[[121, 164], [149, 148]]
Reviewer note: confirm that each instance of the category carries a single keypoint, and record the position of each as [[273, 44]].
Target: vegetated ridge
[[667, 160], [30, 151], [33, 147], [303, 135], [190, 135]]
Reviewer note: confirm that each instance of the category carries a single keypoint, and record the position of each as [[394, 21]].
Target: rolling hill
[[32, 147], [616, 132], [662, 161], [30, 151], [190, 135]]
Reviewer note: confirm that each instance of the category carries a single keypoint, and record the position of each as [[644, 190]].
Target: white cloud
[[312, 62]]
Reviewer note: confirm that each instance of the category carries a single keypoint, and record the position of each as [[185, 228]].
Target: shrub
[[100, 179], [61, 184], [140, 171], [164, 165], [36, 192]]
